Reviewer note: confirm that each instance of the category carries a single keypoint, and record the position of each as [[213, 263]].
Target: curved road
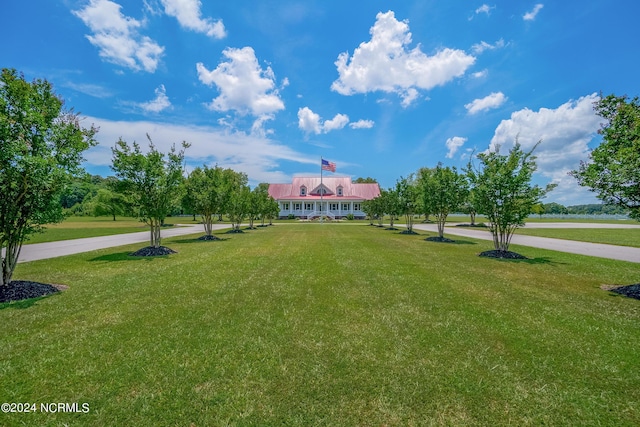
[[624, 253]]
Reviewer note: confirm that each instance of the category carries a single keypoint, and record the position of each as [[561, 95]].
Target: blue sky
[[381, 88]]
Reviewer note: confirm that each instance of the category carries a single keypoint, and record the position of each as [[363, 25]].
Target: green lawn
[[611, 236], [325, 325]]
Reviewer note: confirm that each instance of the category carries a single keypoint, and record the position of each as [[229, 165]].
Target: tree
[[235, 196], [204, 193], [613, 170], [555, 208], [391, 203], [107, 202], [375, 208], [367, 180], [41, 146], [443, 190], [538, 209], [407, 200], [503, 191], [150, 181]]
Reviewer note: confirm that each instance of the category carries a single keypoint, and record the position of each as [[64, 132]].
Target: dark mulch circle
[[151, 251], [205, 237], [233, 230], [407, 232], [631, 291], [502, 254], [439, 239], [18, 290]]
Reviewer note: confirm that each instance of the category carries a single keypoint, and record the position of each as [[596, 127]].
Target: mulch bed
[[407, 232], [439, 239], [233, 230], [502, 254], [24, 289], [205, 237], [631, 291], [151, 251]]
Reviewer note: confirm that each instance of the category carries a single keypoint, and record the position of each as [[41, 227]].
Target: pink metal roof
[[350, 190]]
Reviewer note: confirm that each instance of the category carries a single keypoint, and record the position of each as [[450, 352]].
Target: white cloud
[[495, 100], [310, 122], [485, 8], [453, 144], [480, 74], [482, 46], [338, 122], [255, 155], [243, 85], [117, 38], [187, 12], [530, 16], [161, 102], [362, 124], [565, 133], [385, 63]]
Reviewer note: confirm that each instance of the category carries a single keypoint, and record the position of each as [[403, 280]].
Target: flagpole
[[321, 190]]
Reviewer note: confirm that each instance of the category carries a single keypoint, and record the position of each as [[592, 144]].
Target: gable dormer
[[340, 191], [303, 190], [321, 190]]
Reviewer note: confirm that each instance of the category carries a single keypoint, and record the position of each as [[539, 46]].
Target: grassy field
[[611, 236], [325, 325]]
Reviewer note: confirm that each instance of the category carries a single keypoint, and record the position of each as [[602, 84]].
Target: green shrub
[[350, 217]]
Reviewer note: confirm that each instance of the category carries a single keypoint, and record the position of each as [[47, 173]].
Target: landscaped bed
[[325, 325]]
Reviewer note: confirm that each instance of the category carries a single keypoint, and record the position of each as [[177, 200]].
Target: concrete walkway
[[38, 251], [622, 253]]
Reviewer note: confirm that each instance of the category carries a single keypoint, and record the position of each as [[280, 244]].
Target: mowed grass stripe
[[326, 325]]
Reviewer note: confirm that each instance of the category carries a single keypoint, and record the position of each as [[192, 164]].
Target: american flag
[[328, 166]]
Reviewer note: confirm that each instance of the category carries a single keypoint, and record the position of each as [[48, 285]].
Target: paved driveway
[[38, 251], [623, 253]]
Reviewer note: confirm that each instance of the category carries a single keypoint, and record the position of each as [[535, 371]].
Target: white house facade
[[335, 197]]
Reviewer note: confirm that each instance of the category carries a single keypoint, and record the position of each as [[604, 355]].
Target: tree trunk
[[441, 221], [11, 254], [114, 217], [155, 233], [473, 218], [208, 224]]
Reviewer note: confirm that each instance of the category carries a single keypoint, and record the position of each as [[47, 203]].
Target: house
[[335, 197]]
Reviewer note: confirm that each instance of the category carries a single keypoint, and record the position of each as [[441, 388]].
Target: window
[[308, 206], [339, 191], [285, 206], [345, 206], [303, 191], [297, 206], [322, 191], [356, 206], [334, 206]]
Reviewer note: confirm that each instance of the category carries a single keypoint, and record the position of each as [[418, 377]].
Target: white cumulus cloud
[[530, 16], [161, 101], [117, 38], [243, 85], [565, 133], [489, 102], [453, 144], [386, 63], [188, 14], [362, 124], [311, 122]]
